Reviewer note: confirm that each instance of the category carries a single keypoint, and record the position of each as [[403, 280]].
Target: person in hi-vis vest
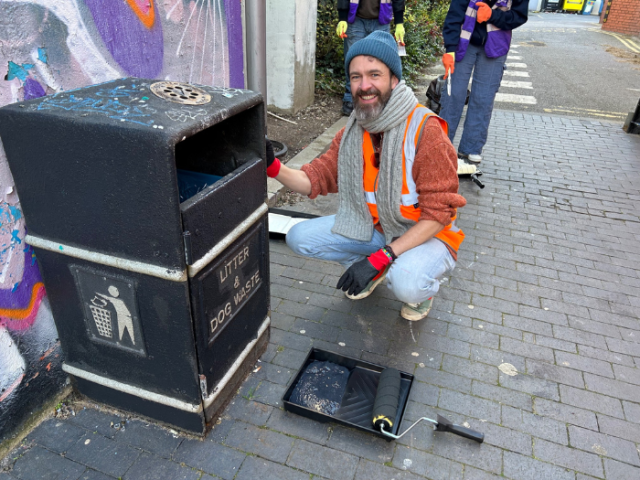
[[359, 18], [395, 172]]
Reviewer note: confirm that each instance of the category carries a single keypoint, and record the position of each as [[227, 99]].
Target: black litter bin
[[145, 203]]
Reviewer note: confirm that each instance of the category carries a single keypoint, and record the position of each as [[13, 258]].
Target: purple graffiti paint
[[21, 296], [137, 49], [234, 37], [32, 89]]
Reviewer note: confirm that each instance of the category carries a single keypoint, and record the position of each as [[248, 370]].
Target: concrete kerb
[[313, 150]]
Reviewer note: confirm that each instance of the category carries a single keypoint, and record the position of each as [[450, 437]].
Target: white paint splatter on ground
[[406, 463], [415, 354], [508, 369]]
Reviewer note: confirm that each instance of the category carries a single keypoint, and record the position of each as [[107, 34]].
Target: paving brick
[[605, 355], [315, 330], [591, 401], [249, 411], [537, 387], [543, 315], [619, 428], [272, 373], [535, 425], [470, 406], [56, 435], [102, 454], [322, 461], [151, 467], [613, 388], [628, 334], [423, 464], [528, 325], [444, 345], [269, 393], [552, 343], [473, 335], [620, 471], [473, 370], [496, 329], [555, 373], [87, 475], [620, 346], [568, 457], [526, 350], [579, 336], [361, 444], [594, 327], [424, 393], [308, 312], [502, 395], [603, 444], [41, 463], [291, 340], [149, 437], [298, 426], [506, 438], [631, 411], [443, 379], [264, 443], [253, 468], [209, 457], [591, 365], [520, 467], [96, 421]]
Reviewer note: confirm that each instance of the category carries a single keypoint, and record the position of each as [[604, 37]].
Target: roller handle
[[477, 181], [385, 405], [445, 425]]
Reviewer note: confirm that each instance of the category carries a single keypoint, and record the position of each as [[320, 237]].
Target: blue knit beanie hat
[[380, 45]]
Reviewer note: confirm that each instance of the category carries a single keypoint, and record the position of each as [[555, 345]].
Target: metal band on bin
[[132, 390], [109, 260], [226, 241]]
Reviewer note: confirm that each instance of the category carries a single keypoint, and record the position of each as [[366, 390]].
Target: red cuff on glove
[[379, 260], [274, 169]]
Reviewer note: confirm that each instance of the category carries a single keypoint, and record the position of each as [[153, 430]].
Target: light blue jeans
[[413, 277], [358, 30], [487, 75]]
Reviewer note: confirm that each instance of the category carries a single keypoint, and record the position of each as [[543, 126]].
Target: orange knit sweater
[[434, 171]]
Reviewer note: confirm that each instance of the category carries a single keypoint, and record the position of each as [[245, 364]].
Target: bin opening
[[191, 183], [218, 150]]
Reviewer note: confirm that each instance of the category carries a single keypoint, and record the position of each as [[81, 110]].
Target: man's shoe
[[416, 311], [471, 158], [347, 108], [371, 286]]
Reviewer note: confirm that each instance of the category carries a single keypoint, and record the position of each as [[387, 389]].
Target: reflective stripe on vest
[[451, 234]]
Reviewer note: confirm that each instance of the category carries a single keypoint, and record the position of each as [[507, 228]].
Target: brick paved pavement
[[548, 280]]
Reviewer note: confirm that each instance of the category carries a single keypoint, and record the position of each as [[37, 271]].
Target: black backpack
[[434, 92]]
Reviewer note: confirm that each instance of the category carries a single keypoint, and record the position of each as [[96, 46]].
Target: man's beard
[[372, 111]]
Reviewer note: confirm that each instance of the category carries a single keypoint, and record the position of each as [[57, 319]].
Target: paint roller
[[385, 408]]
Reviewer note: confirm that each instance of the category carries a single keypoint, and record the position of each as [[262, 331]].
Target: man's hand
[[273, 164], [484, 12], [400, 33], [341, 30], [449, 62], [358, 275]]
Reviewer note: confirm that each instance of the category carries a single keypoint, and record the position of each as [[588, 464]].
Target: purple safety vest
[[498, 41], [384, 17]]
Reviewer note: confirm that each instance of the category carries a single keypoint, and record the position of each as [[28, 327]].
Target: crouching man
[[394, 170]]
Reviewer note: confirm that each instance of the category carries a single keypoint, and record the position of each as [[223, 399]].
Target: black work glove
[[357, 277], [271, 156]]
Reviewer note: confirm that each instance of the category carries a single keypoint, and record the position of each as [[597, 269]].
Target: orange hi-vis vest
[[451, 235]]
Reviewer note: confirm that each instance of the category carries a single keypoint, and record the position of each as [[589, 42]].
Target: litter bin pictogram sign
[[111, 309]]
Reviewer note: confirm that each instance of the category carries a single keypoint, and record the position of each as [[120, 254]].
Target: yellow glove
[[341, 30], [400, 33]]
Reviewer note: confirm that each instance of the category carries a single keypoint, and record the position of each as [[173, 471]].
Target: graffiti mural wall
[[49, 46]]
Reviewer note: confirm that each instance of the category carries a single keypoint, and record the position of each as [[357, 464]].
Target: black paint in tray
[[356, 409]]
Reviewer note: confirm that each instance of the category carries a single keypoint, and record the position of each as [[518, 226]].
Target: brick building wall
[[623, 17]]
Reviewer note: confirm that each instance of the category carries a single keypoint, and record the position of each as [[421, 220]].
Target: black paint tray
[[356, 409]]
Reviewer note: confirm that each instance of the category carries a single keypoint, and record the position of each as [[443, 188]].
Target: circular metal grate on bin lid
[[180, 93]]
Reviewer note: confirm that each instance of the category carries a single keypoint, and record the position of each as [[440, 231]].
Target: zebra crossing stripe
[[510, 84], [516, 65], [513, 57], [516, 73], [513, 98]]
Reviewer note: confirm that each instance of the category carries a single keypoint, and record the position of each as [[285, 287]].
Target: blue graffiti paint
[[111, 108], [15, 287], [19, 71], [42, 54], [15, 236], [16, 213]]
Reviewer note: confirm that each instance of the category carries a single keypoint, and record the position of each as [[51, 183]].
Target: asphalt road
[[559, 64], [571, 73]]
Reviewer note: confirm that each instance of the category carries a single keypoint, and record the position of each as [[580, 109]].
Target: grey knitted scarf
[[354, 219]]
